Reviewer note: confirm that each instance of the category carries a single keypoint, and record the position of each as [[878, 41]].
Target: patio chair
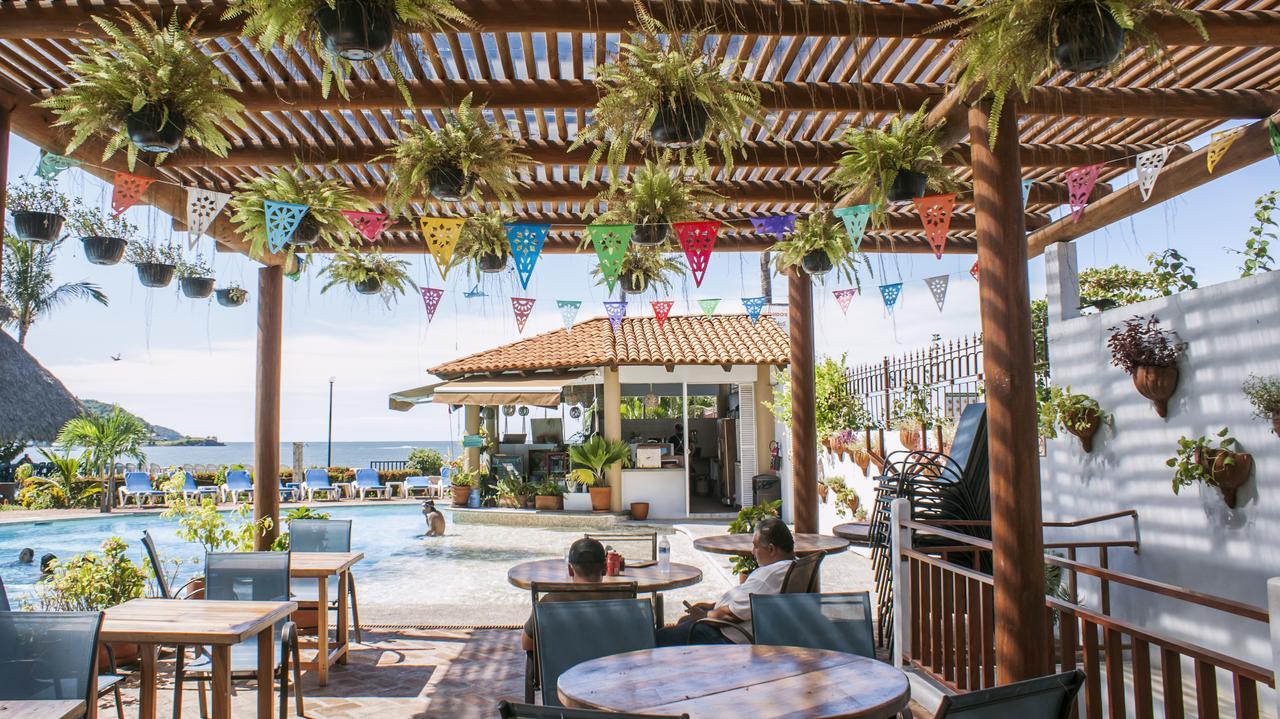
[[569, 633], [1050, 697], [317, 481], [562, 592], [49, 655], [324, 535], [138, 485], [238, 483], [191, 489], [801, 578], [245, 576], [426, 485], [367, 481], [639, 549], [837, 622], [507, 710], [189, 590]]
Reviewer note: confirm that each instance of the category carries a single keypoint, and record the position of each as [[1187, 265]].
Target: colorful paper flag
[[855, 220], [441, 235], [1080, 182], [282, 220], [368, 224], [1026, 192], [610, 242], [523, 307], [709, 305], [935, 214], [127, 190], [973, 271], [754, 306], [51, 165], [1150, 163], [616, 311], [777, 225], [474, 293], [890, 294], [698, 239], [526, 244], [938, 287], [431, 298], [844, 297], [1219, 143], [661, 310], [568, 312], [203, 207]]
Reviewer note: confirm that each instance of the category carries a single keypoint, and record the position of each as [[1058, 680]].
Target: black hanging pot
[[155, 274], [103, 250], [450, 184], [650, 234], [227, 299], [369, 286], [491, 262], [37, 227], [908, 185], [817, 262], [681, 123], [633, 285], [151, 131], [196, 288], [356, 30], [308, 232], [1086, 37]]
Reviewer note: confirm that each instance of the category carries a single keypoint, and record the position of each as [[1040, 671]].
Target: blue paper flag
[[526, 244], [283, 219], [890, 294], [51, 165], [855, 222], [754, 307], [1026, 191], [568, 312], [474, 293], [616, 311], [777, 225]]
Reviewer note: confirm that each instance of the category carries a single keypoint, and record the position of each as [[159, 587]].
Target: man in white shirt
[[774, 550]]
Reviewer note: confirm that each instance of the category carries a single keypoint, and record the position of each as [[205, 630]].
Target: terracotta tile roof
[[693, 339]]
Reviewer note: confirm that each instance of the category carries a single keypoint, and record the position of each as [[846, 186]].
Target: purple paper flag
[[616, 311]]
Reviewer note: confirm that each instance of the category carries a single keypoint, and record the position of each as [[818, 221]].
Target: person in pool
[[435, 520]]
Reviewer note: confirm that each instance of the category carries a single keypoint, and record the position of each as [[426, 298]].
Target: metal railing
[[388, 464]]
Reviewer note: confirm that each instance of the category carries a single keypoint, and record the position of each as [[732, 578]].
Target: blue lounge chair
[[238, 483], [569, 633], [1050, 697], [367, 482], [290, 491], [317, 480], [138, 485], [191, 489], [324, 535], [427, 485], [836, 622]]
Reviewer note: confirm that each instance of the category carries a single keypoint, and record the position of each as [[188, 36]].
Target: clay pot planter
[[356, 30], [678, 124], [912, 439], [823, 492], [640, 511], [861, 457], [103, 250], [460, 495], [151, 131], [601, 498], [546, 502], [1092, 422], [1227, 477], [1157, 384], [1087, 38]]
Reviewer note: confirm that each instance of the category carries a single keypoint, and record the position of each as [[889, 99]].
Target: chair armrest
[[111, 658], [187, 591], [723, 625]]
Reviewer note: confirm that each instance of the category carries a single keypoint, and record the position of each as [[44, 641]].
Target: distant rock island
[[160, 436]]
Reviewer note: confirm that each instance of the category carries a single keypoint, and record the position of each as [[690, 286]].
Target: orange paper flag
[[935, 215], [128, 190]]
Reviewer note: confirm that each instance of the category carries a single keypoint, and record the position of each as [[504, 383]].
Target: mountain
[[159, 435]]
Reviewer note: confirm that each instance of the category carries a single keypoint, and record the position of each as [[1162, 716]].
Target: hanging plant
[[232, 296], [342, 32], [450, 162], [155, 263], [1264, 395], [149, 87], [368, 273], [195, 278], [1223, 466], [1079, 414], [644, 268], [656, 196], [818, 245], [104, 236], [482, 244], [1150, 355], [897, 163], [323, 224], [664, 84], [38, 209], [1007, 45]]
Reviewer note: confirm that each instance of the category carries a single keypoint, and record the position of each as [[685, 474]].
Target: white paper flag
[[202, 207], [938, 286], [1150, 163]]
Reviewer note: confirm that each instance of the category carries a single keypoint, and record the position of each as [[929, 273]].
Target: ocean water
[[345, 454]]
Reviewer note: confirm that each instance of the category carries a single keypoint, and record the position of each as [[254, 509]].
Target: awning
[[536, 391], [407, 399]]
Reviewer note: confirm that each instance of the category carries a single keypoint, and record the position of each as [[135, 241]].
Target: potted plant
[[461, 484], [156, 264], [663, 83], [1009, 44], [1078, 414], [38, 209], [746, 522], [482, 244], [639, 511], [148, 86], [514, 492], [656, 197], [368, 273], [1223, 466], [896, 163], [1264, 395], [819, 245], [548, 495], [342, 32], [449, 162], [324, 224], [912, 415], [92, 582], [103, 236], [232, 296], [195, 278], [591, 460], [1150, 355], [642, 268]]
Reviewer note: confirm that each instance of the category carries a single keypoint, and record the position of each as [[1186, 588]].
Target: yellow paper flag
[[1219, 143], [441, 235]]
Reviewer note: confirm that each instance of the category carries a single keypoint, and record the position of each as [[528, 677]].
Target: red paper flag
[[431, 298], [523, 307], [661, 310], [698, 239], [369, 224], [128, 190], [974, 271], [1080, 182], [935, 215]]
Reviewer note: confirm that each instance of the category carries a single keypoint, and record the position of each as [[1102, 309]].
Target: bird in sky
[[115, 358]]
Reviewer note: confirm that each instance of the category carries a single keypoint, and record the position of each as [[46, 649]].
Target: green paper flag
[[709, 306], [611, 242]]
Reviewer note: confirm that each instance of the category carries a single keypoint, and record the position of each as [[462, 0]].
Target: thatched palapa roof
[[33, 403]]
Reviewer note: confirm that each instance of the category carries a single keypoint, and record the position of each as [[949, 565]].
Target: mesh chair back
[[1049, 697], [247, 576], [802, 575], [4, 598], [616, 590], [366, 477], [320, 535], [239, 479], [48, 655], [138, 482], [507, 710], [162, 581], [317, 478], [837, 622], [638, 548], [570, 633]]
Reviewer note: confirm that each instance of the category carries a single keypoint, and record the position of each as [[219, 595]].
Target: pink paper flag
[[127, 190], [369, 224], [844, 297], [661, 310], [973, 271], [935, 215], [1080, 182], [698, 239], [431, 298], [523, 307]]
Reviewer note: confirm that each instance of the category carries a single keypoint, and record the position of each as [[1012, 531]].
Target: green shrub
[[425, 461], [92, 582]]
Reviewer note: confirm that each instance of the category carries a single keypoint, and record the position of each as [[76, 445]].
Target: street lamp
[[328, 458]]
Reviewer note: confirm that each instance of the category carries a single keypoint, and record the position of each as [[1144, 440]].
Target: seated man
[[774, 548], [586, 566]]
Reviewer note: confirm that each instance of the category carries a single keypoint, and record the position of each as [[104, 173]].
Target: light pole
[[328, 457]]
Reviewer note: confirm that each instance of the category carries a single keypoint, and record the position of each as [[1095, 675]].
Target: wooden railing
[[949, 633]]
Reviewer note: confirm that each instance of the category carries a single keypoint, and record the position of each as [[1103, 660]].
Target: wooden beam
[[6, 110], [1176, 178], [804, 419], [266, 434]]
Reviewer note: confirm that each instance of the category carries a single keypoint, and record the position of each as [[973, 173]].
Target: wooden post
[[471, 425], [612, 424], [266, 439], [1008, 363], [804, 418], [4, 168]]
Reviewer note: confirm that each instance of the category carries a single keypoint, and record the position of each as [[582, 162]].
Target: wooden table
[[216, 623], [320, 566], [42, 709], [740, 544], [726, 680], [855, 532], [649, 580]]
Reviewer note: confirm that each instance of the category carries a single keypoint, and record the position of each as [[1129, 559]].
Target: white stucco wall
[[1192, 540]]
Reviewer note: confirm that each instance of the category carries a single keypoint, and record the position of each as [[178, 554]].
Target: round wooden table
[[649, 580], [727, 680], [855, 532], [740, 544]]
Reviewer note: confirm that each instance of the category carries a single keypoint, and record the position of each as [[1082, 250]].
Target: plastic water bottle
[[664, 556]]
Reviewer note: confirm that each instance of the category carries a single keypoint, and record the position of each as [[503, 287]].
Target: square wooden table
[[320, 566], [189, 622], [42, 709]]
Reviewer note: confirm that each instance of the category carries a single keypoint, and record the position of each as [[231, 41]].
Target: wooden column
[[1017, 534], [471, 425], [804, 418], [612, 416], [5, 111], [266, 437]]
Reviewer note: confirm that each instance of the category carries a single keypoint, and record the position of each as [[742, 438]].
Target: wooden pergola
[[822, 67]]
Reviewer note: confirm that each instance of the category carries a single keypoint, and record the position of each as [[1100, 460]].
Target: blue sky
[[189, 364]]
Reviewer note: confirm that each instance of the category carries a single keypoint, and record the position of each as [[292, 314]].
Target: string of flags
[[891, 292]]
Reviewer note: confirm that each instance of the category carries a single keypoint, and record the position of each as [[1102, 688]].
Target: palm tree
[[27, 284], [106, 437]]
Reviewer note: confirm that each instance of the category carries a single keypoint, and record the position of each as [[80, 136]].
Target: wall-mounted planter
[[1228, 477], [1158, 385], [1091, 422]]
